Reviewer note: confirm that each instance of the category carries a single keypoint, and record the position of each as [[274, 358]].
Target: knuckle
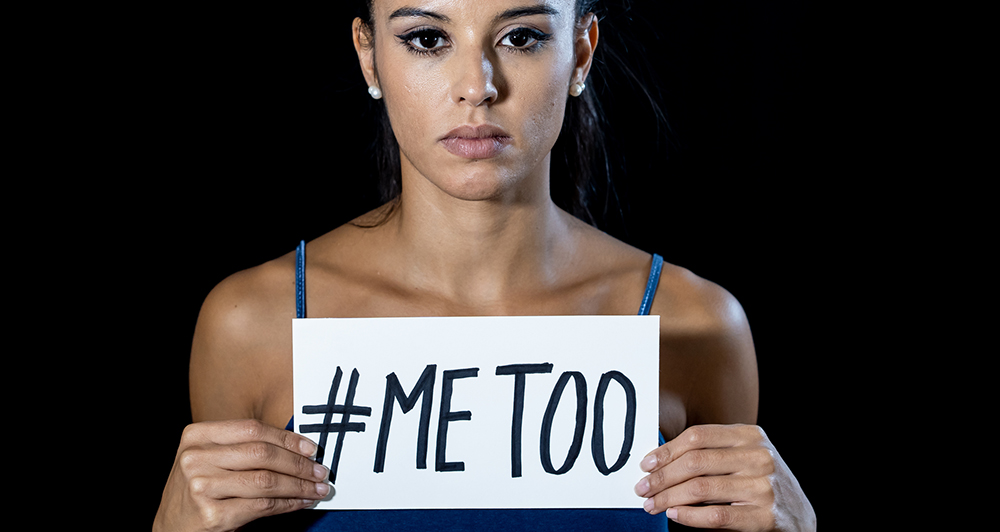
[[262, 480], [696, 435], [664, 455], [695, 462], [304, 466], [720, 517], [291, 441], [252, 429], [210, 516], [701, 489], [657, 478], [199, 486], [661, 501], [188, 459], [259, 452], [190, 433], [288, 440], [264, 505], [306, 488]]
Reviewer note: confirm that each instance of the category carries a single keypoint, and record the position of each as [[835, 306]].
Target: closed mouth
[[476, 142]]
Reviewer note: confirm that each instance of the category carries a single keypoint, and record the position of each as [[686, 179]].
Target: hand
[[228, 473], [724, 476]]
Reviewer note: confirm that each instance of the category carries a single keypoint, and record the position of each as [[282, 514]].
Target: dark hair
[[581, 164]]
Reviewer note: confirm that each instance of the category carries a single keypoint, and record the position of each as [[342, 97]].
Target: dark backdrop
[[244, 131]]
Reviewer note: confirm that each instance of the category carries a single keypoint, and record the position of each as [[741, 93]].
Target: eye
[[524, 39], [426, 41]]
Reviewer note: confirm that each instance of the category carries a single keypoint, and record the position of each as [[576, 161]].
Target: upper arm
[[242, 333], [707, 358], [727, 368]]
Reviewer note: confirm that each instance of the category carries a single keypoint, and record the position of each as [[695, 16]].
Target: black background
[[238, 133]]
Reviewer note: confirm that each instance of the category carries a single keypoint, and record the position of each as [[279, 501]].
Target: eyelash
[[539, 37]]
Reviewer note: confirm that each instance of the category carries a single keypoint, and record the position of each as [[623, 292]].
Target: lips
[[480, 142]]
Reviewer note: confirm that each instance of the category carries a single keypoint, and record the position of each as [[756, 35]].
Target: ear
[[366, 52], [584, 45]]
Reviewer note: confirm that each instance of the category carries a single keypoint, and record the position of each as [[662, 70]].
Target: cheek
[[544, 106], [414, 94]]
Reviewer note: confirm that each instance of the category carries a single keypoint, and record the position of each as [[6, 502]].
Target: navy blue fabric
[[480, 520], [300, 280], [651, 284]]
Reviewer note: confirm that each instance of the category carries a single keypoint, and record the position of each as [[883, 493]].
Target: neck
[[479, 251]]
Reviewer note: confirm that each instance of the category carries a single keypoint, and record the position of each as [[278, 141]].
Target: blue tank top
[[480, 520]]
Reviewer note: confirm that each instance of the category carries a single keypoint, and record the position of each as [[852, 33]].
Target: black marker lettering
[[341, 428], [597, 442], [545, 443], [519, 371], [394, 391], [446, 416]]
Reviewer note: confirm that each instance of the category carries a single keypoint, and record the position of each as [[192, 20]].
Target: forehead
[[471, 10]]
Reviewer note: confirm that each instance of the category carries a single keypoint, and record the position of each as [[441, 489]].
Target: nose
[[474, 80]]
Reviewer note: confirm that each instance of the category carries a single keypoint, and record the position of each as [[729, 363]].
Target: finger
[[206, 460], [247, 430], [735, 517], [262, 455], [260, 484], [233, 513], [701, 437], [752, 461], [724, 489], [266, 507]]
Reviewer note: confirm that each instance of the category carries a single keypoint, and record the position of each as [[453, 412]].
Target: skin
[[473, 237]]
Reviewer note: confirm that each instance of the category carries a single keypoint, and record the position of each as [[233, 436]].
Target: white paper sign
[[479, 412]]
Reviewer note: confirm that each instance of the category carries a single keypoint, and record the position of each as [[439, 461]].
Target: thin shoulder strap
[[300, 280], [651, 284]]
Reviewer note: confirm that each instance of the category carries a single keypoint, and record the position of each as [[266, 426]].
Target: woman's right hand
[[228, 473]]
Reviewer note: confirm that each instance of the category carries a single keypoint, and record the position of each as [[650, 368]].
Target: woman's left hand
[[724, 476]]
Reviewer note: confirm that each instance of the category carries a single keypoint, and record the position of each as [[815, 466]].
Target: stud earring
[[576, 89], [375, 92]]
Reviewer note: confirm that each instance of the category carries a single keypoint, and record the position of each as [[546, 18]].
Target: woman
[[476, 94]]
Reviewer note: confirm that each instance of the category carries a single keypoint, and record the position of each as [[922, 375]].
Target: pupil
[[519, 39], [428, 41]]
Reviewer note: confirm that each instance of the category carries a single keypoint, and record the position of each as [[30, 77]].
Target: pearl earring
[[375, 92], [576, 89]]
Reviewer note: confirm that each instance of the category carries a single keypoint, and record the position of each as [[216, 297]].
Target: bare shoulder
[[242, 342], [707, 358], [691, 305]]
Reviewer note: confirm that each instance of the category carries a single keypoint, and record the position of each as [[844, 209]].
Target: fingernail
[[308, 448], [648, 463], [648, 505], [322, 489], [321, 472], [642, 487], [310, 503], [671, 513]]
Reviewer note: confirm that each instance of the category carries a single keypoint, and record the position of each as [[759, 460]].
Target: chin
[[477, 186], [479, 180]]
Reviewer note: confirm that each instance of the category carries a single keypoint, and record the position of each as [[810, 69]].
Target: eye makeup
[[431, 41], [424, 41], [525, 40]]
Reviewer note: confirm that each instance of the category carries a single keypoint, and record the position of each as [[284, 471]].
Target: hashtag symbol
[[327, 426]]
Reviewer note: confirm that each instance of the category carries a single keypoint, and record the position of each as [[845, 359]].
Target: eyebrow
[[405, 12], [517, 12]]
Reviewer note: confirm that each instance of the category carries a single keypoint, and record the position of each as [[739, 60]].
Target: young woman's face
[[476, 89]]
